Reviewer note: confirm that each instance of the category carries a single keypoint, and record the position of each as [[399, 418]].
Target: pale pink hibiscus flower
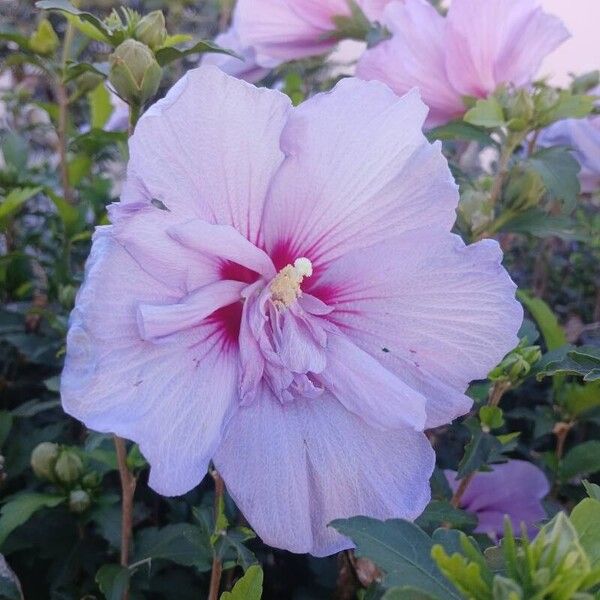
[[476, 47], [280, 292], [282, 30], [514, 489]]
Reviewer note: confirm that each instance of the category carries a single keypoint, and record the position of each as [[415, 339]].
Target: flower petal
[[368, 389], [427, 307], [173, 399], [225, 242], [498, 41], [358, 170], [292, 468], [209, 149]]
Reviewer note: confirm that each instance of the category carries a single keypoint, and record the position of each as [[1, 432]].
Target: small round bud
[[134, 72], [79, 501], [91, 480], [43, 460], [151, 30], [68, 468]]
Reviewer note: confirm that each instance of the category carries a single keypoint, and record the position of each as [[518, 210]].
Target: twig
[[217, 565], [128, 482]]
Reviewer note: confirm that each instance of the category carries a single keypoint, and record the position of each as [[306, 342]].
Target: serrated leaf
[[483, 448], [486, 113], [586, 520], [19, 508], [570, 106], [168, 54], [113, 581], [569, 360], [248, 587], [459, 130], [66, 7], [582, 459], [402, 550], [559, 171]]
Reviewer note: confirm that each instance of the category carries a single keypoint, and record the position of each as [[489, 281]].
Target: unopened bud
[[68, 468], [134, 72], [90, 480], [44, 40], [79, 501], [519, 110], [43, 460], [524, 189], [151, 30]]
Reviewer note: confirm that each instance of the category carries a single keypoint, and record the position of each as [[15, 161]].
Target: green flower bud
[[524, 190], [519, 110], [88, 81], [43, 459], [134, 72], [44, 40], [151, 30], [68, 468], [91, 480], [79, 501]]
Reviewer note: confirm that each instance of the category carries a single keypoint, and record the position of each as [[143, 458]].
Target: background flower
[[472, 50]]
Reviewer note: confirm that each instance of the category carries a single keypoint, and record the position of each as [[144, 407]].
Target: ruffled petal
[[209, 150], [292, 468], [498, 41], [358, 169], [173, 399], [428, 307]]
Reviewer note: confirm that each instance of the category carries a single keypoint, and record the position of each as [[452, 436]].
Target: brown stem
[[63, 108], [561, 431], [498, 390], [217, 565], [128, 482]]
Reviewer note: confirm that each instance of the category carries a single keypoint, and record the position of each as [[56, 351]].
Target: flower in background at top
[[515, 488], [476, 47], [282, 30], [280, 292], [583, 135]]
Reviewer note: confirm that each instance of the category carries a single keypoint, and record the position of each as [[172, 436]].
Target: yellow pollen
[[285, 287]]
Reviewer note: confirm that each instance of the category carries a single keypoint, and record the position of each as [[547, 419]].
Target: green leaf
[[402, 550], [113, 581], [79, 167], [15, 151], [586, 520], [592, 489], [486, 113], [551, 331], [181, 543], [568, 360], [71, 218], [538, 223], [459, 130], [491, 416], [168, 54], [483, 448], [74, 70], [100, 106], [44, 39], [582, 459], [66, 7], [231, 548], [19, 508], [14, 201], [249, 587], [559, 171], [441, 513], [570, 106], [11, 35]]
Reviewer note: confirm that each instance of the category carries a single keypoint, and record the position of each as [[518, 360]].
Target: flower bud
[[151, 30], [68, 468], [44, 40], [43, 460], [519, 110], [88, 81], [134, 72], [79, 501], [90, 480], [524, 189]]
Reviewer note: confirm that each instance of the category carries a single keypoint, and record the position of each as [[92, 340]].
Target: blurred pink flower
[[583, 135], [280, 292], [515, 488], [282, 30], [472, 50]]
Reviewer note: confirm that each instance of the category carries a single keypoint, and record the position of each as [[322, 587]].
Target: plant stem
[[561, 431], [496, 392], [134, 115], [217, 565], [128, 482]]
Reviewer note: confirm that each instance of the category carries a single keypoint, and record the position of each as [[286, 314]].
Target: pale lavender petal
[[209, 150], [498, 41], [294, 468], [368, 389], [156, 321], [224, 242], [358, 169], [414, 57], [429, 308], [174, 400], [514, 488]]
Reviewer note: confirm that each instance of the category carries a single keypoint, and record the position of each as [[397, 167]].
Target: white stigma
[[285, 287]]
